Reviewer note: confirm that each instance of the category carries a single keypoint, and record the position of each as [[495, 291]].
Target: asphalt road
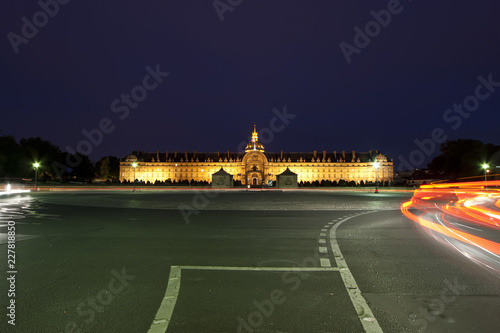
[[255, 261]]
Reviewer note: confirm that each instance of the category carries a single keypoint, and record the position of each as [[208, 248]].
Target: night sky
[[225, 75]]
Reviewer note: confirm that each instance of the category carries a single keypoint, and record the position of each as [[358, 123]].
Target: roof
[[221, 172], [307, 157], [287, 172]]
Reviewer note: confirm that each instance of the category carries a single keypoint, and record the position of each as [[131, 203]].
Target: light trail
[[465, 216]]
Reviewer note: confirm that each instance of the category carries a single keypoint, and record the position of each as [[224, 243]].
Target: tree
[[462, 158], [10, 156], [41, 151], [102, 167], [84, 170], [108, 167]]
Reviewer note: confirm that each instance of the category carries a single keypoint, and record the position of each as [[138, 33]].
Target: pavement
[[247, 261]]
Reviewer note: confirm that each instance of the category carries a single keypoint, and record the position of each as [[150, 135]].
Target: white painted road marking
[[368, 320], [164, 314], [266, 269], [325, 262], [162, 318]]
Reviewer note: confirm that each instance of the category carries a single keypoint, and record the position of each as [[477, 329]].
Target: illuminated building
[[255, 166]]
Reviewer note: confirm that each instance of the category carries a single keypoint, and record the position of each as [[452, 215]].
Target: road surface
[[235, 261]]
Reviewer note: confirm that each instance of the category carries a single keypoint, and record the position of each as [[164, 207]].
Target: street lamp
[[376, 165], [36, 165], [486, 170], [134, 165]]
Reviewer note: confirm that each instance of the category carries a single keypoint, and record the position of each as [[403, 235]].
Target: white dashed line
[[162, 318], [368, 320], [322, 241], [323, 234], [325, 262], [323, 249]]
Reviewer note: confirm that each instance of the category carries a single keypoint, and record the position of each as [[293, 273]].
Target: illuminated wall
[[246, 169], [255, 166]]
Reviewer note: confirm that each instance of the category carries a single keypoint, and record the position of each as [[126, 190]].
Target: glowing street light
[[486, 170], [36, 165], [134, 165], [376, 165]]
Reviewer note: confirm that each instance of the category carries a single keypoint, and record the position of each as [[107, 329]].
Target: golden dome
[[254, 144]]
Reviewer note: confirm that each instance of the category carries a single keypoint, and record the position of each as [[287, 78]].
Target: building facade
[[255, 166]]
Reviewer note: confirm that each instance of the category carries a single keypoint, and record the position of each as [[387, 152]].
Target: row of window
[[233, 171]]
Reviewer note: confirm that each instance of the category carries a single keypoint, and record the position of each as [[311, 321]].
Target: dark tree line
[[17, 158], [464, 158]]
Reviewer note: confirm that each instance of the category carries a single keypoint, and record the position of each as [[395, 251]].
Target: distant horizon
[[125, 155]]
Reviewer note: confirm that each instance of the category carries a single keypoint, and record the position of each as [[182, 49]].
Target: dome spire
[[254, 144], [255, 135]]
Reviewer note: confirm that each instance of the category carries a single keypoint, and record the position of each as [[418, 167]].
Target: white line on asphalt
[[324, 230], [465, 226], [164, 314], [322, 241], [368, 320], [265, 269], [323, 249], [325, 262], [162, 318], [323, 234]]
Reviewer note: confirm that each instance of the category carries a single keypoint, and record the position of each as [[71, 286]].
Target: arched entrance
[[255, 166], [255, 179]]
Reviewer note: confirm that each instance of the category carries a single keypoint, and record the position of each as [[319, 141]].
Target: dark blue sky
[[226, 75]]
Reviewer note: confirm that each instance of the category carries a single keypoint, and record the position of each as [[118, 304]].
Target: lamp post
[[486, 170], [35, 166], [376, 165], [134, 165]]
